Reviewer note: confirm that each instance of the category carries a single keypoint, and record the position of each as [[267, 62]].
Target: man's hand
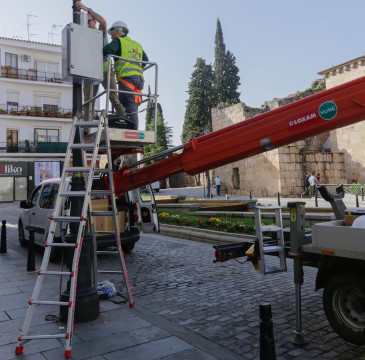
[[80, 5]]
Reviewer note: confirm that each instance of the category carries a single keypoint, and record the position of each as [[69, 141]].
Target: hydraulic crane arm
[[331, 109]]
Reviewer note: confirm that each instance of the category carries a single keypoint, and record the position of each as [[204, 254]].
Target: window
[[11, 60], [12, 100], [35, 195], [236, 178], [48, 197], [11, 140], [46, 135], [46, 100]]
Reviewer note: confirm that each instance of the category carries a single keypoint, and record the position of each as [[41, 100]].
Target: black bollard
[[250, 195], [3, 238], [316, 196], [278, 198], [267, 343], [357, 201], [31, 252]]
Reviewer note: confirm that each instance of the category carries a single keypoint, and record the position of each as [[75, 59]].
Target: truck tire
[[344, 305], [22, 240]]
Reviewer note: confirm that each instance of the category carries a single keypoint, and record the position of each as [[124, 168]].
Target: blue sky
[[279, 45]]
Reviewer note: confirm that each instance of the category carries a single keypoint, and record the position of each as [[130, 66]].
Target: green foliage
[[226, 79], [164, 132], [225, 224], [355, 189], [198, 118]]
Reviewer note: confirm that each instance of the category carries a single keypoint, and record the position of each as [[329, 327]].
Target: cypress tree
[[226, 79], [164, 132], [197, 115]]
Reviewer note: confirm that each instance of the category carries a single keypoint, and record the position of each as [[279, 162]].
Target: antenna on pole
[[29, 25], [54, 27]]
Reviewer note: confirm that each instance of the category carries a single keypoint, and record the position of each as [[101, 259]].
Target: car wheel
[[127, 248], [22, 240], [344, 305]]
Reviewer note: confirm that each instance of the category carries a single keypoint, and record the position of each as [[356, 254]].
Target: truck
[[335, 249]]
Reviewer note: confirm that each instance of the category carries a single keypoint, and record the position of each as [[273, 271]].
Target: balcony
[[6, 109], [27, 146], [30, 74]]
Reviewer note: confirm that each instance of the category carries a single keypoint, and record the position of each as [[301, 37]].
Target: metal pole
[[279, 199], [357, 201], [3, 238], [316, 196], [31, 252], [362, 193], [87, 299], [250, 195], [267, 342]]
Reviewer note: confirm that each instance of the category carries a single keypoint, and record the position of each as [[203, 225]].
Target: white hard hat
[[120, 24]]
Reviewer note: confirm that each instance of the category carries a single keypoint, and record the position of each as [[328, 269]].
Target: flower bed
[[225, 224]]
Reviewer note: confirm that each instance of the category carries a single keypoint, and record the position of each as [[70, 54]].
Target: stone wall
[[350, 139], [279, 170]]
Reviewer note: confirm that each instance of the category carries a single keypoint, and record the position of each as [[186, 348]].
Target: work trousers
[[91, 90]]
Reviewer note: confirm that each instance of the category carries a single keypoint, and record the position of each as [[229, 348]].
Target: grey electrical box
[[82, 54]]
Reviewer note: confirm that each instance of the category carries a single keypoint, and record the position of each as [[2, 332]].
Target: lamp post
[[87, 299]]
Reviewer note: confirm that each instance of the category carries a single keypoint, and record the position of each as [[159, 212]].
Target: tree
[[164, 132], [198, 118], [226, 79]]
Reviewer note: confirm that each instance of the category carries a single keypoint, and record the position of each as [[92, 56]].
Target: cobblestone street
[[179, 292]]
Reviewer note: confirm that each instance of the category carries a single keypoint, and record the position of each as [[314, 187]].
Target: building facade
[[35, 116]]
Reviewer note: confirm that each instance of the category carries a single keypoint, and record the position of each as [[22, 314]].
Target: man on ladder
[[129, 74]]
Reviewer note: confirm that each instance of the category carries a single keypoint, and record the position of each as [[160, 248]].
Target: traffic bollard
[[267, 343], [3, 238], [316, 196], [31, 252], [357, 201], [250, 195], [278, 198]]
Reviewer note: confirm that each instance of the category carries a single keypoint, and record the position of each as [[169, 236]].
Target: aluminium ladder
[[278, 249], [86, 212]]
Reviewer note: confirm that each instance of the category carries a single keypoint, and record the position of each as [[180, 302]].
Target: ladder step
[[101, 213], [73, 193], [67, 218], [271, 228], [100, 192], [87, 124], [57, 244], [44, 302], [34, 337], [65, 273], [105, 252], [110, 272], [78, 169], [272, 249], [88, 146]]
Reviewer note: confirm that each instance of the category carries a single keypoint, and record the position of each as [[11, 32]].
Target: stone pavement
[[187, 308]]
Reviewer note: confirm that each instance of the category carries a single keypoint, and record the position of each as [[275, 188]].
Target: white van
[[137, 211]]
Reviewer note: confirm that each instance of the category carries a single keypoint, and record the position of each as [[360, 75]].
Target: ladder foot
[[19, 350], [131, 305], [68, 354]]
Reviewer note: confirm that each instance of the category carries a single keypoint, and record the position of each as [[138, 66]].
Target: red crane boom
[[330, 109]]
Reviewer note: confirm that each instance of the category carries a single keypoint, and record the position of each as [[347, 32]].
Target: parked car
[[136, 211]]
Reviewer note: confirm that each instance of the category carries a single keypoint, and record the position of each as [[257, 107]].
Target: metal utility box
[[336, 236], [82, 54]]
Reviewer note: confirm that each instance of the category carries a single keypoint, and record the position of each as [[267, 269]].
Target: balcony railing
[[27, 146], [30, 74], [18, 110]]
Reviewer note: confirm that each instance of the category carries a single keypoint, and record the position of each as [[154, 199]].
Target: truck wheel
[[344, 305], [22, 240]]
